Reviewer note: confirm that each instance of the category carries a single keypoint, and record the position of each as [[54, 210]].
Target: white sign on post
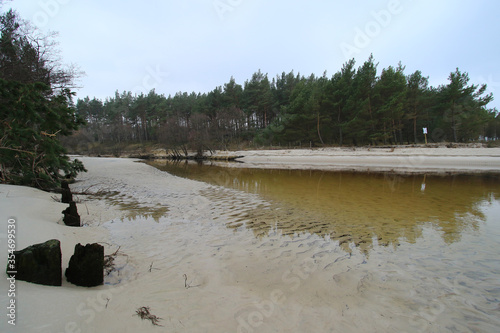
[[425, 130]]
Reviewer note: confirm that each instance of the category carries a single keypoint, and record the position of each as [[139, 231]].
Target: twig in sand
[[85, 191], [186, 284], [144, 313], [151, 267], [109, 261]]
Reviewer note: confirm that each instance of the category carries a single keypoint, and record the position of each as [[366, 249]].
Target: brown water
[[354, 208]]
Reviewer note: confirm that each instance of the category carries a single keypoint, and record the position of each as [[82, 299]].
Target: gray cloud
[[201, 43]]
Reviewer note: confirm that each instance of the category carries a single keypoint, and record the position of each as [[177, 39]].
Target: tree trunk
[[340, 128], [400, 132], [415, 129], [385, 135], [319, 133], [453, 123], [371, 114]]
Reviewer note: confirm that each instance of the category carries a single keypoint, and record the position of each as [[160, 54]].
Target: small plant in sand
[[109, 261], [145, 314]]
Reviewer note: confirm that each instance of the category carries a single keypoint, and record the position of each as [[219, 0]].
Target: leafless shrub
[[109, 260]]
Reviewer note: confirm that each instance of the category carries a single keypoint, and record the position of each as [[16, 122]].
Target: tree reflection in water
[[355, 209]]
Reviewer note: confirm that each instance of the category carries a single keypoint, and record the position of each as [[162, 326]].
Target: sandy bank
[[187, 255], [38, 218], [399, 160]]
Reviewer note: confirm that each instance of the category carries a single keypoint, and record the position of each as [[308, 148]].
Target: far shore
[[440, 159]]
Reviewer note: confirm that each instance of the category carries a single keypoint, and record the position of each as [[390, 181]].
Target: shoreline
[[167, 227], [403, 160]]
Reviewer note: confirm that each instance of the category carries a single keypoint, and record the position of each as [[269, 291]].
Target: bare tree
[[28, 56]]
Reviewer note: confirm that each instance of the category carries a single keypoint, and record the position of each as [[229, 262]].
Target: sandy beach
[[181, 255], [398, 160]]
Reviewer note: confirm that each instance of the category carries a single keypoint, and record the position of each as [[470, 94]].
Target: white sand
[[236, 282], [399, 160]]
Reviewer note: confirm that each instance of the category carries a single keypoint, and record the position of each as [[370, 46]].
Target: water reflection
[[133, 209], [353, 208]]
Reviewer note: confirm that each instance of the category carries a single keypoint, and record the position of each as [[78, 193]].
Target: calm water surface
[[358, 208]]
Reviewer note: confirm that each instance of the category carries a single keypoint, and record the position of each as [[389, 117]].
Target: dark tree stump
[[71, 217], [86, 266], [39, 263], [67, 196]]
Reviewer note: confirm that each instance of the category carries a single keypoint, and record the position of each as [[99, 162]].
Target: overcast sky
[[196, 45]]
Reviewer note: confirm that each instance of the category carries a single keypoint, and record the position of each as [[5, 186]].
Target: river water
[[359, 208], [433, 240]]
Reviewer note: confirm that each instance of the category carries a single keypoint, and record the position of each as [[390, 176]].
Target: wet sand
[[182, 255]]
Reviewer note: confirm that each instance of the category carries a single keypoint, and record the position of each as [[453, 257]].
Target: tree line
[[355, 106]]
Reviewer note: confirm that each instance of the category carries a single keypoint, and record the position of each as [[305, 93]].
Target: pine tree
[[391, 95], [35, 110], [342, 84], [463, 106], [417, 99], [30, 152], [362, 123]]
